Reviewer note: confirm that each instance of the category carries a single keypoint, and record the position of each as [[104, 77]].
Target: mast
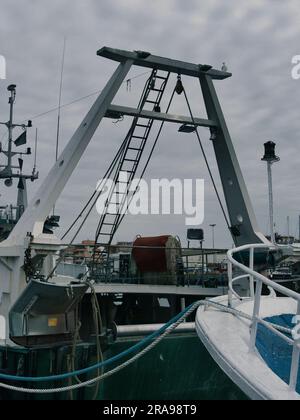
[[10, 170], [11, 101]]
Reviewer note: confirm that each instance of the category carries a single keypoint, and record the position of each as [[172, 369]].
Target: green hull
[[179, 368]]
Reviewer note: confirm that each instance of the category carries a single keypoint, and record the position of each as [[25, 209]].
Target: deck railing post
[[230, 284], [295, 360], [256, 312], [251, 278]]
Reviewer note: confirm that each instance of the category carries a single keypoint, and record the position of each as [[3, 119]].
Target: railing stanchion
[[255, 318], [295, 361], [251, 278], [230, 284]]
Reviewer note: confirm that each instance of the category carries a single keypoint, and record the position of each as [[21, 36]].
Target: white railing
[[256, 295]]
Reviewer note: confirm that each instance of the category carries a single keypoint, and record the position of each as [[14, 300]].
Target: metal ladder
[[128, 164]]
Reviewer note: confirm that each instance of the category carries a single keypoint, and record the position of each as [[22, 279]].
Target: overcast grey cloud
[[261, 102]]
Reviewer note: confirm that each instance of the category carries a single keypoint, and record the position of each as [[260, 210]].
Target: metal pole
[[251, 278], [59, 100], [270, 157], [295, 361], [213, 234], [10, 127], [271, 202], [213, 240], [202, 258], [255, 318], [230, 277], [187, 265]]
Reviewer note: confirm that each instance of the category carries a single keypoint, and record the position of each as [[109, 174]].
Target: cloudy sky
[[257, 39]]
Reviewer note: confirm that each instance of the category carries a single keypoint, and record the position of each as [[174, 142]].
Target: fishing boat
[[113, 330]]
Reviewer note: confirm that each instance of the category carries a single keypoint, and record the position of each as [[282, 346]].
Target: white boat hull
[[227, 338]]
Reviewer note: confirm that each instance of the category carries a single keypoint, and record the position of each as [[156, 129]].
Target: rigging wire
[[59, 104], [35, 150], [116, 176], [134, 192], [96, 194], [206, 161], [82, 98], [104, 178], [148, 160], [108, 172], [59, 99]]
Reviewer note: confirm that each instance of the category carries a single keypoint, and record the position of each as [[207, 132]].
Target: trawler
[[119, 330]]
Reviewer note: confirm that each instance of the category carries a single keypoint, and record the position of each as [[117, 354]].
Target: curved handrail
[[251, 272]]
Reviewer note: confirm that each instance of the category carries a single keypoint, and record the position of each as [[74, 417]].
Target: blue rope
[[105, 363]]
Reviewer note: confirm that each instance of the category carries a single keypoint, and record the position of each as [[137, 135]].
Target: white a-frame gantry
[[29, 229]]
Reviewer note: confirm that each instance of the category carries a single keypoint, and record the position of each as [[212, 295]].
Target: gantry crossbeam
[[144, 59]]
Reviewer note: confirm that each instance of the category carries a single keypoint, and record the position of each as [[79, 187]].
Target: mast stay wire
[[206, 161], [92, 200], [204, 156], [96, 193], [59, 99], [59, 104], [141, 176], [82, 98], [127, 138], [149, 158], [107, 174]]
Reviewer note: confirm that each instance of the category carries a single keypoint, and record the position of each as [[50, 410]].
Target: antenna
[[11, 170], [35, 150], [59, 104], [59, 99]]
